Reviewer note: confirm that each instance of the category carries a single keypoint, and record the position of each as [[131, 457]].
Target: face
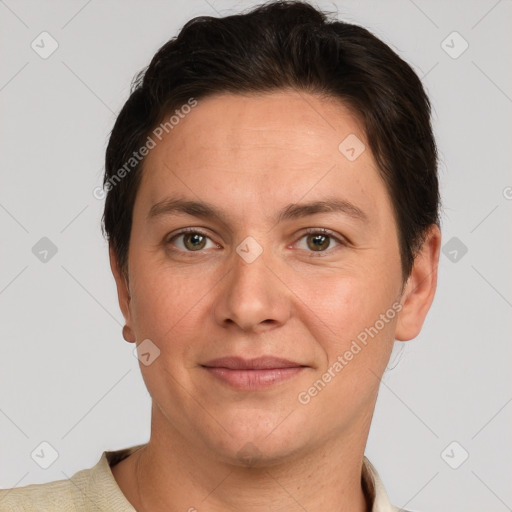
[[259, 273]]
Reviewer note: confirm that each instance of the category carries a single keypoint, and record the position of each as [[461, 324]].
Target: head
[[298, 151]]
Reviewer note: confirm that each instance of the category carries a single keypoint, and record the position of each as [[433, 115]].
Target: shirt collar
[[374, 489], [372, 484]]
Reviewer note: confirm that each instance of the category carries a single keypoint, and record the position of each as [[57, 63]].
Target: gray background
[[66, 375]]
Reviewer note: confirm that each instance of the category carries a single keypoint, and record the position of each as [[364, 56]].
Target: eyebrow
[[170, 205]]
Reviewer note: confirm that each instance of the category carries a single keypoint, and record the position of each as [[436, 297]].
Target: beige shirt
[[96, 490]]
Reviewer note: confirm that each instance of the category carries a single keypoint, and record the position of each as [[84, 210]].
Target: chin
[[259, 446]]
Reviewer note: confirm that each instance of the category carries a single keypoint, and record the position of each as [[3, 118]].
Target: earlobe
[[128, 334], [420, 288]]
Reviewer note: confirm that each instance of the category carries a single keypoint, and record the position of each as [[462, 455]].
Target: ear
[[123, 296], [420, 287]]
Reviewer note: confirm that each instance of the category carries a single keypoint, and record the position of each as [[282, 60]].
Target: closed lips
[[260, 363]]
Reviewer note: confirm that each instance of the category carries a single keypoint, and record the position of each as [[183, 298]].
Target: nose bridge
[[251, 294]]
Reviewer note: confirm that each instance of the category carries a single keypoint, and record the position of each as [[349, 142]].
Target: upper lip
[[258, 363]]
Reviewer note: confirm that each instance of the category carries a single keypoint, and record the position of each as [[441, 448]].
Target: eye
[[319, 240], [193, 240]]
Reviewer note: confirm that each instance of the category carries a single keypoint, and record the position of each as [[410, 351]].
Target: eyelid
[[325, 231], [190, 229]]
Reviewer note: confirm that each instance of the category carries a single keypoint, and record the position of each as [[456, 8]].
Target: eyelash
[[309, 231]]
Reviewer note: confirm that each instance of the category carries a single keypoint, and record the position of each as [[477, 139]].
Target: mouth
[[259, 363], [252, 374]]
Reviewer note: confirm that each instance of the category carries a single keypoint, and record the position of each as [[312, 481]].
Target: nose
[[252, 296]]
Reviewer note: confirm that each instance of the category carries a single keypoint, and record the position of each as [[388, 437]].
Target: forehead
[[260, 150], [297, 126]]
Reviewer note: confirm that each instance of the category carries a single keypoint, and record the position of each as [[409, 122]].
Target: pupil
[[195, 240], [318, 239]]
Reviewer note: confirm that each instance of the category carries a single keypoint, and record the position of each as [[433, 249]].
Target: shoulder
[[51, 496], [89, 489]]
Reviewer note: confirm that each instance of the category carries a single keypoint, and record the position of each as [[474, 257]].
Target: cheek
[[346, 304], [166, 310], [165, 300], [355, 326]]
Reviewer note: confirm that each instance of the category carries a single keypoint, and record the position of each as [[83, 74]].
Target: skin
[[251, 156]]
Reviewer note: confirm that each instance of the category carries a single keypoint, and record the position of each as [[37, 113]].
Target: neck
[[170, 473]]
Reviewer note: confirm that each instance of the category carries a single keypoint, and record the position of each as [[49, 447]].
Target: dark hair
[[275, 46]]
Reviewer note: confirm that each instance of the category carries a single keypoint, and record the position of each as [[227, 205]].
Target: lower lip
[[254, 379]]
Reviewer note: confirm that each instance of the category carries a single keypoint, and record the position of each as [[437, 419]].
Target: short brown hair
[[281, 45]]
